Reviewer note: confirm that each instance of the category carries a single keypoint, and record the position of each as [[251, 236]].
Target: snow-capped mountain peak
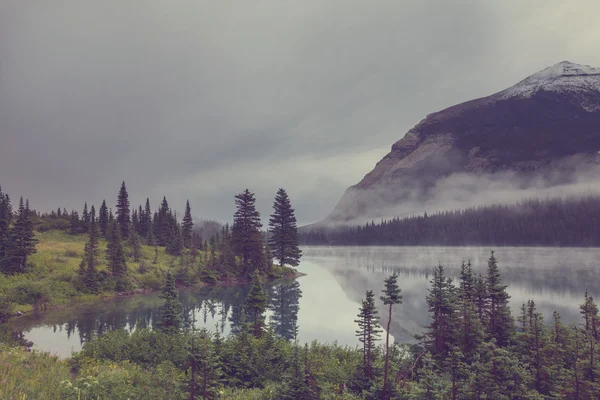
[[562, 77]]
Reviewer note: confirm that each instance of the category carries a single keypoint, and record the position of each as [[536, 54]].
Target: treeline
[[573, 221], [233, 254]]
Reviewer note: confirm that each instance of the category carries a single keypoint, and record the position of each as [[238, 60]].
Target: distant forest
[[572, 221]]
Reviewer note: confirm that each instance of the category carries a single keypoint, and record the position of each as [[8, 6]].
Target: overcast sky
[[200, 99]]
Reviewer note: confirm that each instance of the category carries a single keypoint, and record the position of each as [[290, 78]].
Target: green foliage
[[186, 226], [283, 233], [245, 233], [115, 255], [19, 242], [368, 333], [256, 304], [172, 318], [123, 213]]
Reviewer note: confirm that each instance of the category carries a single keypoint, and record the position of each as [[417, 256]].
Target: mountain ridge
[[547, 125]]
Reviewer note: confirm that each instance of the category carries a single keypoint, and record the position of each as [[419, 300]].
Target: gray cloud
[[200, 99]]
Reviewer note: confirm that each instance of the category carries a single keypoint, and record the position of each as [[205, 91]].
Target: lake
[[324, 303]]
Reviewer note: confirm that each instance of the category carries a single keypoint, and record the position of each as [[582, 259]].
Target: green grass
[[52, 274]]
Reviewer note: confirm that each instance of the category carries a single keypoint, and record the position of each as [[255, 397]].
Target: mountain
[[541, 132]]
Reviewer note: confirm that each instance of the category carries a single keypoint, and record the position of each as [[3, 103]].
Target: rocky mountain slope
[[545, 127]]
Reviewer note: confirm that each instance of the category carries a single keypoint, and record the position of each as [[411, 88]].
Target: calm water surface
[[325, 302]]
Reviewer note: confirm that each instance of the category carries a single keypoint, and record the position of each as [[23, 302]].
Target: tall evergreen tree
[[147, 220], [501, 323], [115, 255], [85, 219], [470, 332], [283, 237], [441, 302], [186, 226], [245, 233], [123, 213], [163, 227], [368, 332], [20, 243], [172, 319], [391, 296], [88, 266], [6, 217], [103, 218], [256, 305]]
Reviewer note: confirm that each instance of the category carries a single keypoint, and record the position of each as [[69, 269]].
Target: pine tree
[[123, 213], [20, 243], [135, 221], [256, 304], [163, 228], [85, 219], [115, 255], [283, 238], [103, 219], [175, 245], [245, 233], [205, 371], [147, 220], [6, 217], [501, 323], [368, 332], [136, 245], [172, 319], [470, 332], [187, 226], [391, 296], [88, 266], [441, 301]]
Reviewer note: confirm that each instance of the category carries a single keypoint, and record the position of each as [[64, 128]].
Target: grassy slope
[[54, 270], [55, 266]]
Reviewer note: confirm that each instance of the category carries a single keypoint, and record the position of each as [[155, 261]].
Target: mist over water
[[324, 303]]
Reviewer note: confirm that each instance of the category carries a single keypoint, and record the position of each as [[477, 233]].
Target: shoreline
[[79, 300]]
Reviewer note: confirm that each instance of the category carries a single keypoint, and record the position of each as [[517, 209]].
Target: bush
[[37, 293]]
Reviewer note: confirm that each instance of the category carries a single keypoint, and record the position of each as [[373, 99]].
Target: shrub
[[37, 293]]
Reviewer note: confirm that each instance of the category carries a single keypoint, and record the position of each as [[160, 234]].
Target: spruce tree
[[147, 220], [246, 238], [441, 301], [391, 296], [103, 219], [88, 266], [501, 323], [187, 226], [20, 243], [283, 232], [469, 331], [175, 244], [204, 369], [6, 217], [172, 320], [256, 305], [85, 220], [115, 255], [368, 332], [123, 213]]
